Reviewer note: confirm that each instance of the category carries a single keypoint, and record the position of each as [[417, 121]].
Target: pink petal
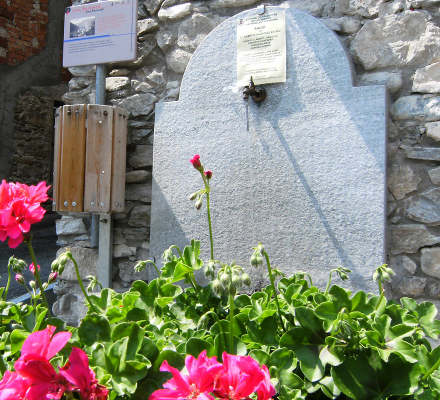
[[4, 194], [38, 193], [13, 243], [36, 369], [12, 386], [46, 391], [25, 226], [164, 394], [57, 343], [3, 235], [38, 342], [177, 382], [77, 370], [6, 217], [14, 231]]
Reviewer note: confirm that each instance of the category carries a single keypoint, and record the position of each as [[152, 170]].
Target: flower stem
[[5, 293], [381, 292], [81, 285], [231, 323], [272, 283], [329, 282], [37, 273], [177, 248], [208, 211]]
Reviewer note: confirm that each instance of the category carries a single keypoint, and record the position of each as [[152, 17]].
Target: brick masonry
[[23, 29]]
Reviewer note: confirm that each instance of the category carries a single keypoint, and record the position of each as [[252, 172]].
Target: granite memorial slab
[[303, 172]]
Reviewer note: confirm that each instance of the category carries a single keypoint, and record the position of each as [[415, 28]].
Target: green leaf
[[290, 380], [117, 354], [242, 301], [103, 300], [359, 303], [41, 312], [17, 338], [294, 338], [261, 356], [340, 297], [134, 333], [327, 357], [309, 321], [327, 311], [329, 388], [283, 358], [195, 346], [309, 363], [180, 271], [149, 349], [362, 378], [175, 359], [94, 328], [264, 332]]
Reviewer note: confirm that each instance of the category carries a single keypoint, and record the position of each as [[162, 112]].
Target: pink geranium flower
[[196, 385], [36, 379], [33, 365], [265, 389], [19, 209], [43, 381], [195, 161], [31, 194], [82, 378], [13, 386], [44, 344], [241, 376]]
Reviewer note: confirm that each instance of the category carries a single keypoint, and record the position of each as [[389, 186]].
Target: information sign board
[[261, 48], [98, 33]]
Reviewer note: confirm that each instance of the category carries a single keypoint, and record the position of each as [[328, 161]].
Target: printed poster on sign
[[261, 48], [98, 33]]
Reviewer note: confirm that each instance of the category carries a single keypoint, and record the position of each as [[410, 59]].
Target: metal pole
[[102, 226], [99, 99]]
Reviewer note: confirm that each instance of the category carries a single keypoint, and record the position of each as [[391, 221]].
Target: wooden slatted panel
[[98, 158], [57, 157], [71, 172], [119, 158]]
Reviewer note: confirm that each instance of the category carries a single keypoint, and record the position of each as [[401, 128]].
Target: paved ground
[[44, 243]]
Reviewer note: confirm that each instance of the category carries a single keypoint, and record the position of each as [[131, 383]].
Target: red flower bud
[[208, 174], [195, 161], [19, 278], [53, 276], [32, 268]]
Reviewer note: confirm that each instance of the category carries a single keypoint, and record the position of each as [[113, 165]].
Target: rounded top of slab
[[316, 61]]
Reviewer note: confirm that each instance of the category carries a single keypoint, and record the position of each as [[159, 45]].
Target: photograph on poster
[[82, 27]]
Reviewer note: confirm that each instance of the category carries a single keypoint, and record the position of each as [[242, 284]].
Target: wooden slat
[[98, 158], [71, 172], [119, 158], [57, 158]]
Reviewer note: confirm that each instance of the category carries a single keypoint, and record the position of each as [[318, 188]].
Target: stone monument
[[303, 172]]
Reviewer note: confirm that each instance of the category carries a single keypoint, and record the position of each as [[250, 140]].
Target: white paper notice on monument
[[261, 48], [98, 33]]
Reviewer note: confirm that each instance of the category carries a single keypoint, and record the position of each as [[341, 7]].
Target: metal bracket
[[258, 94]]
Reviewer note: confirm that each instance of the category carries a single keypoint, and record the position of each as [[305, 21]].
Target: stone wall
[[395, 43], [32, 161], [31, 33]]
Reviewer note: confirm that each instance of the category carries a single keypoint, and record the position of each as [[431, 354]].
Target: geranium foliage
[[173, 338]]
